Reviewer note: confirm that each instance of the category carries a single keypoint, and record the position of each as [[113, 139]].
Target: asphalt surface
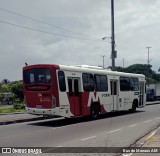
[[111, 130], [10, 118]]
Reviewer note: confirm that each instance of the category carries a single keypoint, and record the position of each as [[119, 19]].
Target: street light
[[123, 62], [105, 38], [149, 60]]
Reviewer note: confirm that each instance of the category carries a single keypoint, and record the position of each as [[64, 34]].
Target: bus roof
[[84, 68], [98, 70]]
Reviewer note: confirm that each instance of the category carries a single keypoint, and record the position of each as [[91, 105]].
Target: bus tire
[[95, 111], [134, 106]]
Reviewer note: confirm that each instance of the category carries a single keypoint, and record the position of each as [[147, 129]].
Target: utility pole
[[113, 53], [103, 60], [149, 60]]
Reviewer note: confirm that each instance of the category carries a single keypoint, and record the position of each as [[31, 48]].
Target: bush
[[19, 106]]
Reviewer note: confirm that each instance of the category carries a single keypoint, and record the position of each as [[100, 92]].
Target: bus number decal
[[105, 95]]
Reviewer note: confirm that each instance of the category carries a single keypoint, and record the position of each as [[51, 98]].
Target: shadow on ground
[[70, 121]]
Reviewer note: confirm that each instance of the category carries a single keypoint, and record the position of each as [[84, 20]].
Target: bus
[[82, 90]]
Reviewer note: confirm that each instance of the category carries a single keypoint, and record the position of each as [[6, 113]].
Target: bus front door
[[74, 95], [114, 94], [141, 94]]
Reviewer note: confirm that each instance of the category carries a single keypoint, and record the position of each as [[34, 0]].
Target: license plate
[[38, 106]]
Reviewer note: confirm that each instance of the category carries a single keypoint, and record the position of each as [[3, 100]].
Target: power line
[[51, 33], [42, 22]]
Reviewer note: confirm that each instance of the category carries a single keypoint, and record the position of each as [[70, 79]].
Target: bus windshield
[[37, 75]]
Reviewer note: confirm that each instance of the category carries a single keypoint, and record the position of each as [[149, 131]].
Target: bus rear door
[[114, 94], [74, 95]]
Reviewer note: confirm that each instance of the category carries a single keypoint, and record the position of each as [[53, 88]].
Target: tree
[[151, 75], [5, 81], [4, 88], [17, 89]]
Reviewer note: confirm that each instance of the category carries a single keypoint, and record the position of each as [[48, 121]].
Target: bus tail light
[[53, 102]]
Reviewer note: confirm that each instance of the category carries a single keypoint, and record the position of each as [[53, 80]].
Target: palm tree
[[5, 81]]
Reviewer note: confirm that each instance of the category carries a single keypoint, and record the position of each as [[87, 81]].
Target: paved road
[[111, 130]]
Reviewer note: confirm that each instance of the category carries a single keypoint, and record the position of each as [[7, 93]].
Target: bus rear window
[[37, 75]]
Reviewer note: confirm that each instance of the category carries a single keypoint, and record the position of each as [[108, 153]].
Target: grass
[[10, 110]]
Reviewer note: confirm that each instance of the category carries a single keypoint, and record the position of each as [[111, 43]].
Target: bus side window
[[101, 83], [76, 87], [124, 83], [134, 84], [88, 82], [62, 83], [70, 87]]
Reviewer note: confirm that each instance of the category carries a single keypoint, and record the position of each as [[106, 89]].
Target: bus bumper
[[39, 111]]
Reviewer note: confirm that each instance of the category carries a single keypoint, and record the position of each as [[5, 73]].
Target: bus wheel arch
[[95, 110], [134, 105]]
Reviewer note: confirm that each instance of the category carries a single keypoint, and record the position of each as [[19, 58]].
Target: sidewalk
[[18, 117], [150, 142], [152, 102]]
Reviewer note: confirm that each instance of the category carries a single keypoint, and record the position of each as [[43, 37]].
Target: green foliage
[[4, 88], [17, 89], [10, 110], [19, 106], [151, 75], [118, 68]]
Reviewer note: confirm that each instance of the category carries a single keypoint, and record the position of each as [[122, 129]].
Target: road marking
[[151, 135], [133, 125], [59, 146], [147, 121], [62, 127], [114, 130], [126, 154], [157, 118], [88, 138], [56, 127]]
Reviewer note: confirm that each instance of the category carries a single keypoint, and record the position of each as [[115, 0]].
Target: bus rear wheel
[[95, 111]]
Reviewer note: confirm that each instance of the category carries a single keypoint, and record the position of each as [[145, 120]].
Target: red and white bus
[[71, 91]]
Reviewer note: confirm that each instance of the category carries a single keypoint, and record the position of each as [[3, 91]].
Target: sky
[[70, 32]]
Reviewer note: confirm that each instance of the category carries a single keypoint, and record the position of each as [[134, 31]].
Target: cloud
[[136, 27]]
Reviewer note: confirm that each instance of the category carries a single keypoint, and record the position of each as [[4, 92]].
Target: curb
[[144, 140], [12, 113], [22, 120], [154, 103]]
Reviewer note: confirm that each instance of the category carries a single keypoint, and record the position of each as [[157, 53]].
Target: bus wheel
[[134, 106], [95, 111]]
